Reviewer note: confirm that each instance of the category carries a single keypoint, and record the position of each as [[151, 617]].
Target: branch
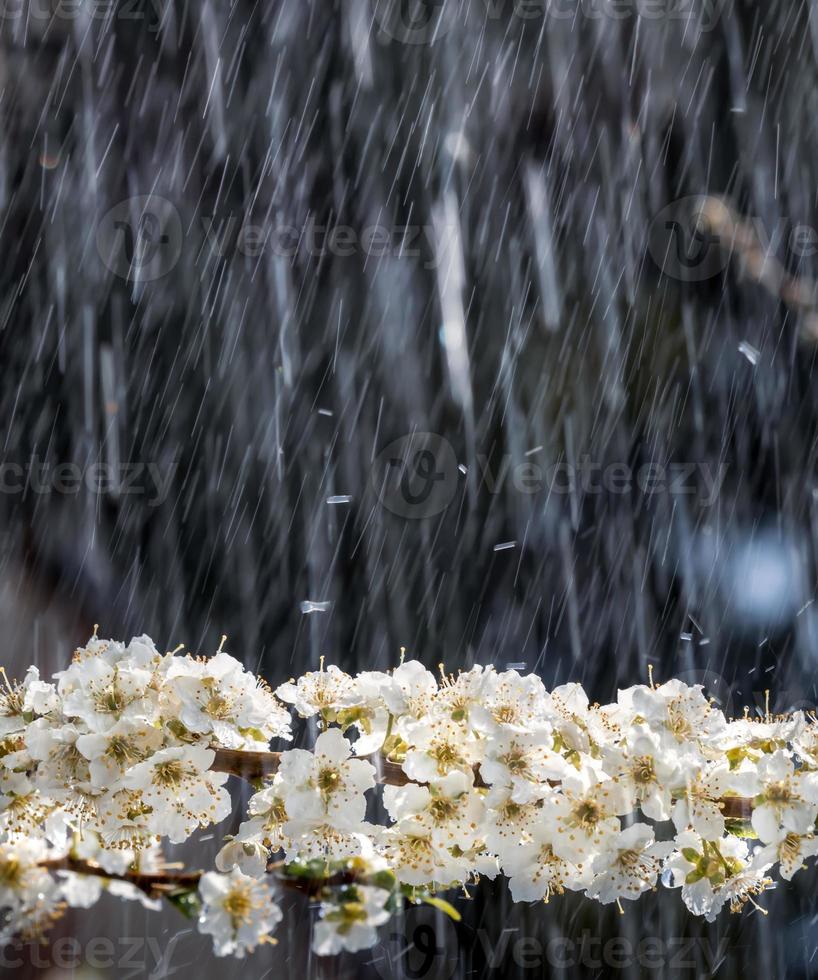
[[257, 765], [159, 883], [152, 884], [737, 236]]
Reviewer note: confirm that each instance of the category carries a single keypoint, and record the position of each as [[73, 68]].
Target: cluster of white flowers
[[555, 792], [112, 756], [486, 773]]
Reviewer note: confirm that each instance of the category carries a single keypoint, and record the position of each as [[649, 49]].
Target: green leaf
[[694, 876], [383, 879], [443, 905], [255, 733], [186, 902], [350, 716], [740, 828], [690, 854], [315, 869]]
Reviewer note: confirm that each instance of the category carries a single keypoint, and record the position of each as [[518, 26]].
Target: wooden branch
[[738, 237], [246, 765], [736, 808], [153, 884], [159, 883], [257, 765]]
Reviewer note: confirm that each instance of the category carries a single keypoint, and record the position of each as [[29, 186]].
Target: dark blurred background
[[251, 250]]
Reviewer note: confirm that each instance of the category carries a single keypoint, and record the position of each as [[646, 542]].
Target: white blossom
[[324, 796], [180, 791], [351, 922], [790, 850], [327, 776], [320, 692], [535, 870], [507, 821], [217, 696], [411, 691], [438, 746], [525, 762], [628, 865], [647, 768], [99, 693], [681, 715], [237, 911], [714, 873], [112, 753], [418, 856], [512, 703], [699, 806], [585, 813], [259, 836], [785, 799], [449, 808], [28, 893]]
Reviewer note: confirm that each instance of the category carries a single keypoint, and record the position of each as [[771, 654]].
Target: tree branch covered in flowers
[[477, 774], [259, 765]]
